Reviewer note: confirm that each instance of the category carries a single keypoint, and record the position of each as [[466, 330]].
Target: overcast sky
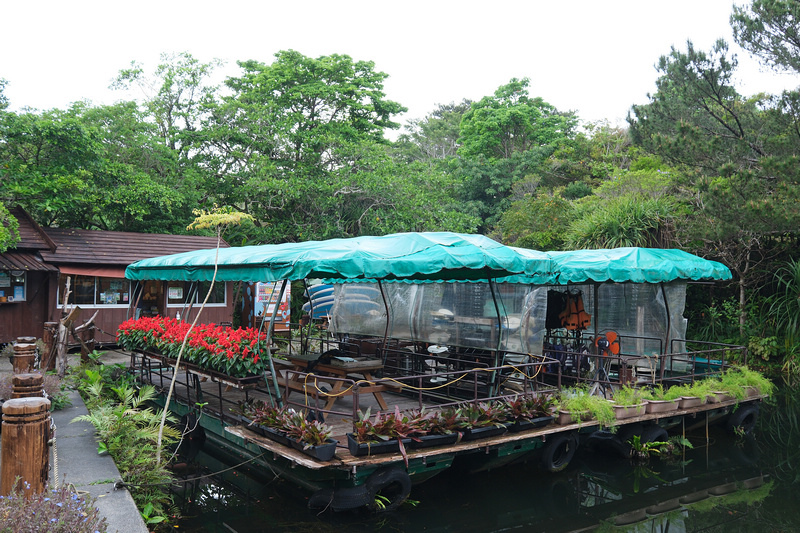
[[594, 57]]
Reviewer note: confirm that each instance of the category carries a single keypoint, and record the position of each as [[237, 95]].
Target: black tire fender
[[654, 434], [558, 451], [340, 499], [391, 483], [745, 417]]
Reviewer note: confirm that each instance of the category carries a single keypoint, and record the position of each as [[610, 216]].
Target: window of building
[[94, 291], [181, 292], [13, 285]]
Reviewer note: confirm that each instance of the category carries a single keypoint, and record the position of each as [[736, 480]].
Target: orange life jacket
[[574, 316]]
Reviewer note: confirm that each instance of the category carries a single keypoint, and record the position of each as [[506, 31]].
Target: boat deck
[[220, 397]]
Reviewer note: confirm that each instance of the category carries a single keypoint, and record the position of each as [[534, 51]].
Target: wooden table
[[321, 371]]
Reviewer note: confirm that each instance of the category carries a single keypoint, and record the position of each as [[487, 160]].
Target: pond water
[[724, 483]]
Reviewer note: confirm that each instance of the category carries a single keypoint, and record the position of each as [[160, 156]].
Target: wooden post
[[24, 357], [28, 385], [26, 430], [48, 361], [87, 343]]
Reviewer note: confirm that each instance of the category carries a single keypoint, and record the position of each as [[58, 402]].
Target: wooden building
[[34, 274]]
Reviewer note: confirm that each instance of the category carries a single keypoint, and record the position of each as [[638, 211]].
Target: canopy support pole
[[665, 348], [187, 301], [386, 307], [270, 330], [495, 388]]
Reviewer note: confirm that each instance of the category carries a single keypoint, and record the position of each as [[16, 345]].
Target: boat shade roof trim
[[421, 257]]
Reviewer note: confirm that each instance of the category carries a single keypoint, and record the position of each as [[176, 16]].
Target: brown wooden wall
[[27, 318]]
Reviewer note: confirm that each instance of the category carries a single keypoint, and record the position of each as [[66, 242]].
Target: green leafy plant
[[149, 517], [741, 377], [642, 451], [579, 402], [659, 393], [128, 430], [627, 396]]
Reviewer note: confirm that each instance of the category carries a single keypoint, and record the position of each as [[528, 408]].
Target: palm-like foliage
[[128, 430], [785, 304]]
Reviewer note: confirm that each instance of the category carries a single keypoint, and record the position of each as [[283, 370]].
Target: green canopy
[[440, 256], [638, 265]]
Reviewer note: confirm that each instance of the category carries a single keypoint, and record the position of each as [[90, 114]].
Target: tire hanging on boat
[[391, 484], [744, 418], [558, 451]]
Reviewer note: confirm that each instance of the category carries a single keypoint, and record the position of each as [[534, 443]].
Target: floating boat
[[423, 322]]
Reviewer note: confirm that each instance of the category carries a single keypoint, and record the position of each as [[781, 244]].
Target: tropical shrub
[[128, 432]]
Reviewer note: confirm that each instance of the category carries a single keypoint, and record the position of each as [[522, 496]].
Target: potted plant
[[692, 394], [661, 400], [483, 419], [576, 404], [289, 427], [440, 427], [527, 412], [311, 437], [264, 419], [384, 433], [629, 402], [742, 382]]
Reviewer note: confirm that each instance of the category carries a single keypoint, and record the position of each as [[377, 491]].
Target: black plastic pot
[[429, 441], [524, 425], [321, 452], [373, 448]]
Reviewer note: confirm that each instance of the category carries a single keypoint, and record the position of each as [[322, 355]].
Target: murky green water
[[728, 485]]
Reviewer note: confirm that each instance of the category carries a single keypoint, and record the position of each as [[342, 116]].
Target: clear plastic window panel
[[459, 314], [471, 314]]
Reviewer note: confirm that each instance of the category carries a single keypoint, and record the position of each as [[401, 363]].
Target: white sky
[[595, 57]]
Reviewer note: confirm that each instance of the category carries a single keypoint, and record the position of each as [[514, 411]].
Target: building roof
[[31, 235], [92, 247], [24, 261]]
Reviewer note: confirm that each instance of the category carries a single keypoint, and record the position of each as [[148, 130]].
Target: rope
[[405, 385], [52, 442], [122, 484]]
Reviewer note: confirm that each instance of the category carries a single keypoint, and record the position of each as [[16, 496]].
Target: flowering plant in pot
[[234, 352]]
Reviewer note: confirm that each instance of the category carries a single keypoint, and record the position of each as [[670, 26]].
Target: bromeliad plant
[[484, 414], [526, 408], [387, 426], [289, 422], [234, 352]]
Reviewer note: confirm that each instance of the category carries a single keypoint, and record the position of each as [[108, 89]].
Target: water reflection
[[727, 484]]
